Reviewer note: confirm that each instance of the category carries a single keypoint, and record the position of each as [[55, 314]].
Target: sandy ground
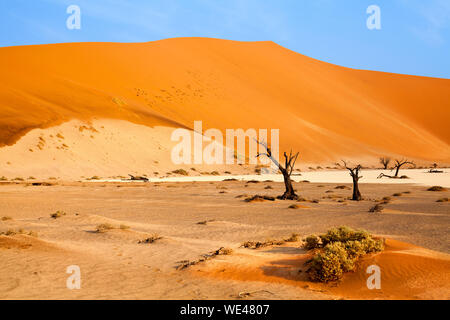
[[415, 177], [415, 264]]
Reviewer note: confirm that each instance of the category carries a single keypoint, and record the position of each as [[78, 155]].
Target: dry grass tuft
[[57, 214], [220, 252], [377, 208], [437, 189], [101, 228], [180, 172], [151, 239], [12, 232], [258, 198]]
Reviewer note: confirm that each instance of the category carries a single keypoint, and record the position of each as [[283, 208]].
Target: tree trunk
[[356, 193], [289, 194], [396, 171]]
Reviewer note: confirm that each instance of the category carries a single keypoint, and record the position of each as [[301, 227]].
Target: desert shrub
[[312, 242], [386, 200], [397, 194], [151, 239], [442, 200], [12, 232], [437, 188], [104, 227], [259, 244], [223, 252], [376, 208], [57, 214], [258, 198], [338, 251], [181, 172], [6, 218], [330, 264], [343, 234], [295, 237], [3, 178]]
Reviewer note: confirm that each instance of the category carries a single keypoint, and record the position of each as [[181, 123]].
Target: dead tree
[[385, 162], [133, 178], [289, 164], [399, 164], [354, 173], [435, 169]]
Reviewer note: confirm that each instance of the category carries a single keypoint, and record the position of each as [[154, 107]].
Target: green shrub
[[312, 242], [343, 234], [330, 264], [338, 251]]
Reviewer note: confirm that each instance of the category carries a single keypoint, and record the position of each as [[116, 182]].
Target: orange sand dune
[[407, 272], [324, 111]]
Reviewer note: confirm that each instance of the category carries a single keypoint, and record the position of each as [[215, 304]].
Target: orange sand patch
[[407, 272], [322, 110]]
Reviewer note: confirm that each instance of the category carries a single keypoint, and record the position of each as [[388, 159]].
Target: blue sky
[[414, 39]]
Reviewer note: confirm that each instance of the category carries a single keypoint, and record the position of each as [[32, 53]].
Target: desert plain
[[77, 119], [192, 219]]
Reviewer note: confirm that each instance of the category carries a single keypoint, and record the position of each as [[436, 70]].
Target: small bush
[[330, 264], [437, 188], [295, 237], [151, 239], [377, 208], [259, 198], [57, 214], [443, 200], [6, 218], [223, 252], [12, 232], [339, 249], [181, 172], [343, 234], [101, 228], [386, 200], [312, 242]]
